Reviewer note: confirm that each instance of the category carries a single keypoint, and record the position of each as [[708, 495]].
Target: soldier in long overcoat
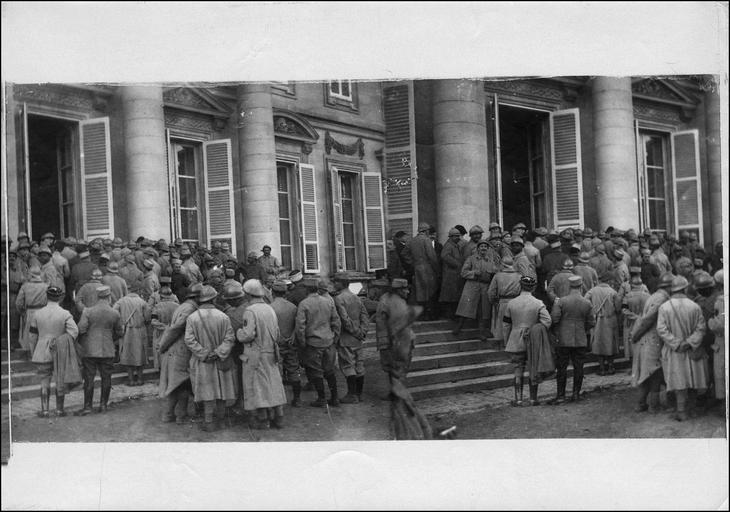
[[286, 315], [646, 369], [210, 338], [477, 271], [175, 385], [31, 298], [86, 295], [605, 339], [46, 327], [160, 317], [354, 320], [572, 317], [521, 321], [263, 390], [131, 274], [559, 285], [452, 283], [584, 270], [135, 313], [419, 253], [112, 279], [632, 304], [504, 287], [681, 326]]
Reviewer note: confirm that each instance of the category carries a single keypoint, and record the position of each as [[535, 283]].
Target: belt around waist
[[34, 307], [505, 299]]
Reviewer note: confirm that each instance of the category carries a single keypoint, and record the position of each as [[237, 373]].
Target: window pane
[[655, 178], [346, 88], [657, 214], [654, 153], [347, 213], [346, 186], [185, 160], [286, 257], [348, 233], [281, 179], [189, 224], [285, 231], [283, 206], [188, 193], [350, 259], [69, 220], [334, 87]]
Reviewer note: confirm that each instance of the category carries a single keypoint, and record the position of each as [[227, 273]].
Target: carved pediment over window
[[288, 125], [667, 92], [198, 101]]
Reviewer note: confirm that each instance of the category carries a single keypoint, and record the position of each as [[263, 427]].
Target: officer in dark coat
[[572, 318]]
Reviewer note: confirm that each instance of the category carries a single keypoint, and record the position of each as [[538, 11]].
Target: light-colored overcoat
[[680, 322], [175, 361], [521, 314], [647, 349], [606, 305], [135, 314]]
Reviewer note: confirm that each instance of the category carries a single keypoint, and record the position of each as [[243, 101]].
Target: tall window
[[284, 190], [656, 172], [67, 184], [341, 89], [186, 165], [347, 192], [536, 155]]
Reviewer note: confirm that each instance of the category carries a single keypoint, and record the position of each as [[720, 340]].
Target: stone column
[[148, 208], [257, 157], [615, 153], [714, 164], [460, 154]]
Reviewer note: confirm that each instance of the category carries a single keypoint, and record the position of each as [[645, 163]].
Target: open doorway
[[52, 166], [523, 157]]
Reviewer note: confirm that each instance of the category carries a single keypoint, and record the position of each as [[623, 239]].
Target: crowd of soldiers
[[551, 298], [226, 336]]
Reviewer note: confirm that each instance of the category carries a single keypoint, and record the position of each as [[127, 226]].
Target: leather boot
[[319, 386], [296, 388], [681, 414], [59, 405], [334, 400], [562, 381], [359, 385], [533, 394], [278, 421], [518, 385], [601, 367], [130, 376], [484, 332], [181, 408], [577, 383], [351, 396], [653, 402], [45, 402], [611, 370], [459, 325], [106, 389], [88, 400], [168, 414]]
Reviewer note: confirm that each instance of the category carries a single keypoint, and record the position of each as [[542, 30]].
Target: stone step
[[454, 346], [432, 326], [430, 362], [494, 381], [433, 337], [32, 390], [14, 354], [30, 377], [17, 366], [458, 373]]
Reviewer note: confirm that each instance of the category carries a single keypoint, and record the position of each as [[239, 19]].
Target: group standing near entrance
[[230, 337]]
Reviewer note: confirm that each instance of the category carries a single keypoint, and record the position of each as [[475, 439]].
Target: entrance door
[[51, 182], [522, 149]]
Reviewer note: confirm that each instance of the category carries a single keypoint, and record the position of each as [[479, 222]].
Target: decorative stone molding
[[188, 121], [645, 110], [527, 89], [350, 149], [654, 88], [294, 128], [58, 95], [196, 102]]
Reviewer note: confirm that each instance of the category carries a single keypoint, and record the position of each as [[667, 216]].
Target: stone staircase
[[444, 364], [25, 384]]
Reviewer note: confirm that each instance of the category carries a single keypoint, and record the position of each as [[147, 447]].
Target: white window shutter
[[96, 178], [687, 185], [400, 157], [567, 169], [172, 188], [218, 172], [308, 201], [372, 200], [337, 219]]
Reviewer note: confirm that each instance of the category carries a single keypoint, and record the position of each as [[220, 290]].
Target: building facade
[[326, 172]]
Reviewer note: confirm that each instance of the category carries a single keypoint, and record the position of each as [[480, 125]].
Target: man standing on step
[[524, 313], [420, 253], [606, 306], [100, 326], [46, 328], [354, 319], [572, 318], [504, 287], [478, 270], [317, 328], [135, 313]]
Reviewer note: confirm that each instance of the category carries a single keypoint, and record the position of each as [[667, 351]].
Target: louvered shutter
[[337, 219], [308, 202], [400, 157], [96, 179], [566, 166], [640, 176], [218, 172], [28, 225], [172, 189], [372, 200], [687, 186]]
